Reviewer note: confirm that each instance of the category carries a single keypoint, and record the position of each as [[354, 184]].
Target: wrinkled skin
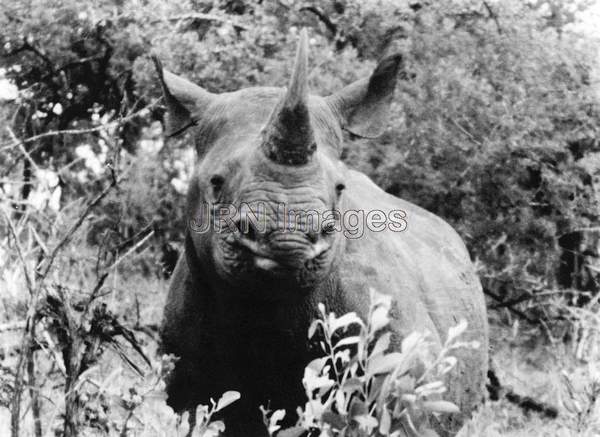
[[240, 303]]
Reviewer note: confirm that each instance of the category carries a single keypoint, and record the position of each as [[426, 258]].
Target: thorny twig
[[26, 357], [205, 17], [131, 250], [19, 249], [27, 339], [90, 205], [493, 16], [33, 391], [511, 308]]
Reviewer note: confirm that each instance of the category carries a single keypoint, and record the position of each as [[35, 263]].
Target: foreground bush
[[361, 388]]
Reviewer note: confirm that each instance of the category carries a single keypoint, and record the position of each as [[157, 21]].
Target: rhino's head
[[266, 153]]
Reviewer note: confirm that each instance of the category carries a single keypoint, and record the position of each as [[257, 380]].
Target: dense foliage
[[494, 126]]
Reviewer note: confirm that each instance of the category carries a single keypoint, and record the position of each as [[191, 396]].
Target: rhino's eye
[[328, 227], [216, 182], [339, 188]]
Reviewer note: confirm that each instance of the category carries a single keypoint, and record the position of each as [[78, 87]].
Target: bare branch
[[206, 17], [88, 208], [511, 308], [19, 143], [493, 16], [33, 391], [13, 232], [12, 326], [330, 25], [109, 125], [131, 250]]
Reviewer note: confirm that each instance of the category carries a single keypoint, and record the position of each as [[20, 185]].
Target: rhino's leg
[[184, 335], [205, 367], [243, 419]]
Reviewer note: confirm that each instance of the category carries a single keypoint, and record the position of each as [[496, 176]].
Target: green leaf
[[466, 344], [213, 429], [405, 384], [440, 406], [296, 431], [377, 383], [312, 381], [228, 398], [335, 420], [317, 365], [312, 330], [343, 356], [411, 341], [366, 422], [274, 419], [428, 432], [321, 307], [385, 421], [357, 408], [409, 397], [384, 363], [455, 331], [351, 385], [379, 319], [434, 387], [340, 401], [447, 364], [345, 321], [347, 341], [201, 413], [380, 299], [383, 342]]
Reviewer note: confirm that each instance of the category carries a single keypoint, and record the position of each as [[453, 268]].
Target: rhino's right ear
[[185, 101], [362, 106]]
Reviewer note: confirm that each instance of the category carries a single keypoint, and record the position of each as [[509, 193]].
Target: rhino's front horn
[[288, 137]]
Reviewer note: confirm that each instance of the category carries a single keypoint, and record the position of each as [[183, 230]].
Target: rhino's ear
[[362, 106], [184, 100]]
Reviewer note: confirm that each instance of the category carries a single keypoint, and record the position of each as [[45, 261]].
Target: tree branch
[[510, 308], [493, 16], [330, 25], [88, 208], [109, 125], [205, 17]]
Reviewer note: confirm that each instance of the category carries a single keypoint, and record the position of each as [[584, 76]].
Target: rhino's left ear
[[185, 101], [362, 106]]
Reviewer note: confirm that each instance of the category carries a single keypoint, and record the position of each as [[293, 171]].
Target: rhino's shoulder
[[426, 267], [423, 228]]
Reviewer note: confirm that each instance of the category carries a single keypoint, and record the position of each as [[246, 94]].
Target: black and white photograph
[[310, 218]]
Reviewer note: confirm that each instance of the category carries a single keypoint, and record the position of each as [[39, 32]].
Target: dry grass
[[548, 373]]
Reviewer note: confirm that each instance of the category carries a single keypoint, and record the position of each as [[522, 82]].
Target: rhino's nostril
[[328, 227], [251, 233], [247, 228]]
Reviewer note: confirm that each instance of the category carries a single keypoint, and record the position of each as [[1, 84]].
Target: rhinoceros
[[242, 296]]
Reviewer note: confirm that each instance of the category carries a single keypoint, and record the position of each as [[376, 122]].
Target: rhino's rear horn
[[288, 137]]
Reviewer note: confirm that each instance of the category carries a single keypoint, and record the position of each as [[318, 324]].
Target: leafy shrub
[[360, 388], [203, 425], [494, 126], [498, 133]]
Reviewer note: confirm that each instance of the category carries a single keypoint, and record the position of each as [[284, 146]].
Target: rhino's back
[[427, 269]]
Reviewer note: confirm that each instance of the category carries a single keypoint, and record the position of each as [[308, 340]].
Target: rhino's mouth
[[276, 260], [266, 263]]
